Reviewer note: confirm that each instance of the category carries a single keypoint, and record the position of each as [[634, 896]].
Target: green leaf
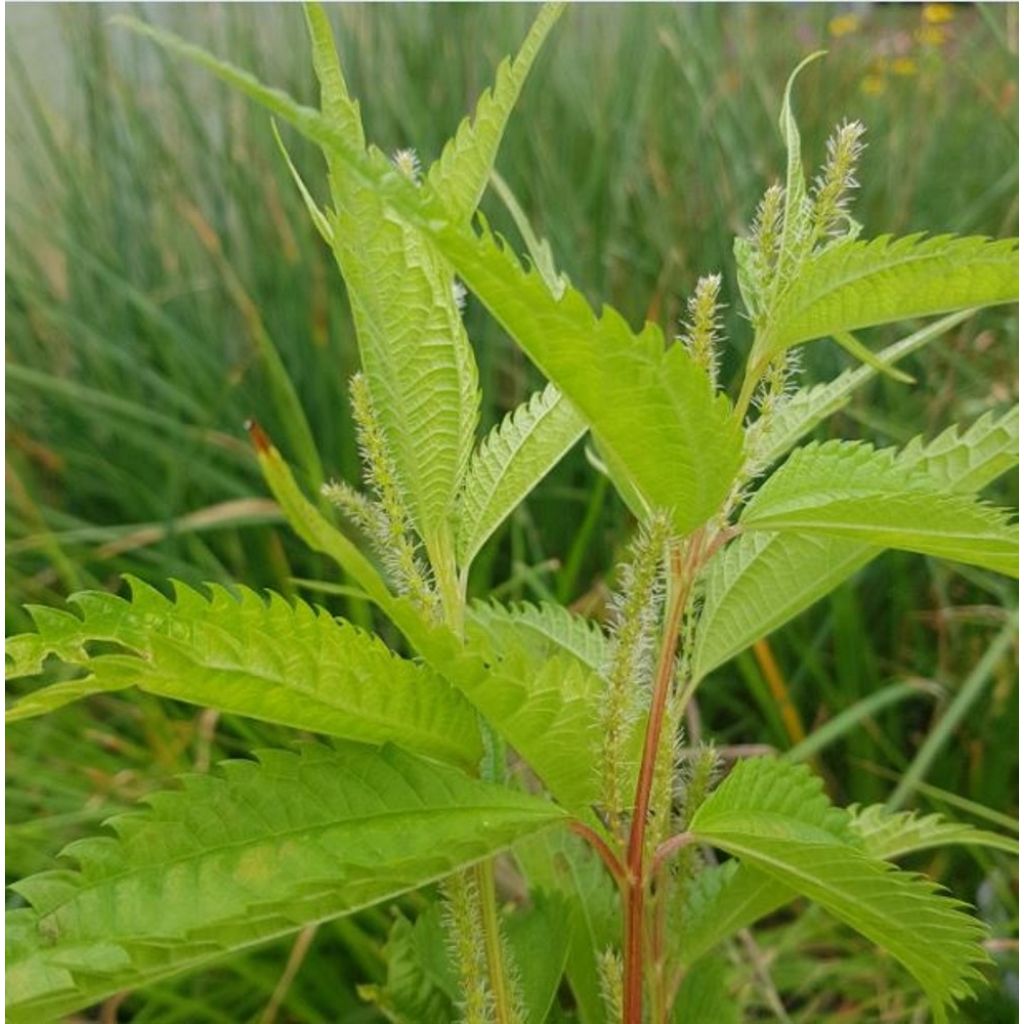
[[254, 852], [808, 407], [796, 188], [888, 836], [285, 663], [705, 996], [723, 899], [852, 284], [854, 491], [538, 936], [542, 629], [460, 174], [509, 463], [550, 714], [421, 987], [556, 861], [316, 215], [862, 353], [966, 459], [760, 581], [417, 359], [650, 407], [757, 816]]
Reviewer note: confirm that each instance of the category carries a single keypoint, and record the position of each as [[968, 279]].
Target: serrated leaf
[[851, 284], [657, 421], [543, 629], [254, 852], [421, 987], [723, 899], [760, 581], [459, 175], [285, 663], [510, 462], [551, 715], [966, 459], [777, 794], [857, 492], [887, 835], [808, 407], [414, 350], [652, 409], [764, 823]]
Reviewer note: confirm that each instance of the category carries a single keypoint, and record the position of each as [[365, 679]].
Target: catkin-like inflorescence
[[358, 509], [635, 614], [609, 972], [777, 384], [766, 237], [837, 179], [466, 947], [391, 529], [702, 327]]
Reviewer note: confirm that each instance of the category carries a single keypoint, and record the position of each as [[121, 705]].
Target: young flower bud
[[408, 163]]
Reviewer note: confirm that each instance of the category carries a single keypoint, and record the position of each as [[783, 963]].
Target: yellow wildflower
[[843, 25], [938, 14]]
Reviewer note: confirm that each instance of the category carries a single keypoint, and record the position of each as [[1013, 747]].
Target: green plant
[[605, 815]]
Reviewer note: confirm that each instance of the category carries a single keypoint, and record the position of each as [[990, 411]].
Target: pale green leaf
[[459, 176], [760, 581], [796, 188], [254, 852], [863, 354], [415, 354], [723, 899], [550, 714], [966, 459], [887, 835], [285, 663], [650, 407], [762, 822], [539, 249], [509, 463], [856, 492], [852, 284], [316, 215], [541, 629], [808, 407]]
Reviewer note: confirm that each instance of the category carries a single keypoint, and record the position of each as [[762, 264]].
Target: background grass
[[156, 248]]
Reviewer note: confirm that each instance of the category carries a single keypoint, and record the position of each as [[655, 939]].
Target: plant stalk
[[503, 1007], [633, 937]]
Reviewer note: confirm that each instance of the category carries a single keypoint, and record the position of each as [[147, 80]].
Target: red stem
[[604, 851], [633, 939]]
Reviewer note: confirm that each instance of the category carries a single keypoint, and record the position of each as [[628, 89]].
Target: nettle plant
[[528, 731]]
